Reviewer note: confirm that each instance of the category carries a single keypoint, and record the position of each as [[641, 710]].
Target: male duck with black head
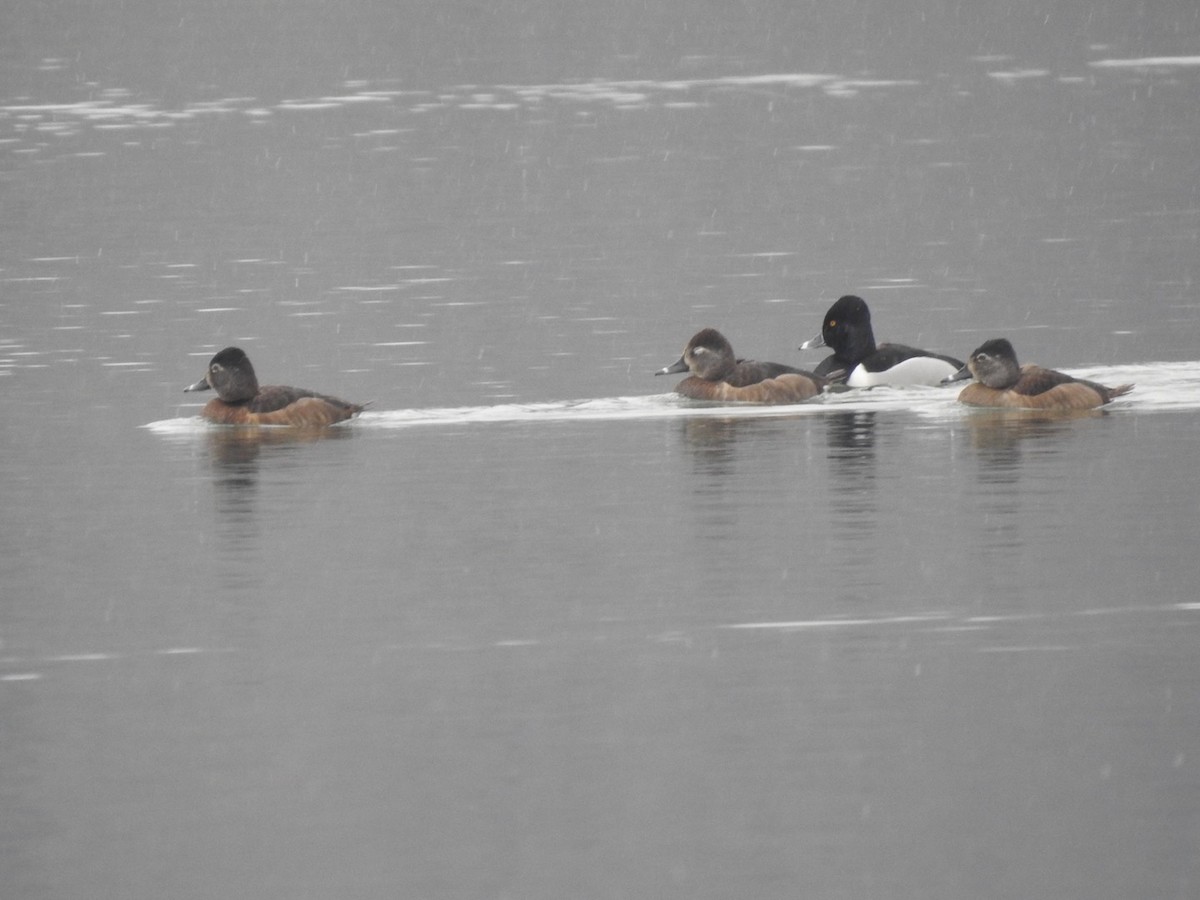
[[858, 362], [1000, 382], [719, 376], [240, 400]]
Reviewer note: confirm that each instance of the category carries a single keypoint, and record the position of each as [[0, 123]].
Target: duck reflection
[[237, 456], [997, 435], [850, 437], [236, 452], [715, 443], [234, 447], [733, 461], [1000, 440], [712, 443]]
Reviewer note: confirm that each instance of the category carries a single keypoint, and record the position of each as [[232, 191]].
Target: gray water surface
[[532, 626]]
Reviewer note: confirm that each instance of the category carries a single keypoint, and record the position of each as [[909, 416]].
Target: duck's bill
[[963, 374], [674, 369], [201, 385], [818, 341]]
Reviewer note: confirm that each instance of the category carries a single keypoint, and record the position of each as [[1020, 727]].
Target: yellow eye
[[833, 323]]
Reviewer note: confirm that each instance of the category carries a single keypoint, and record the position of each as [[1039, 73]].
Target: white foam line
[[110, 657], [799, 79], [662, 406], [965, 622], [1146, 62], [187, 651], [800, 624], [1031, 648]]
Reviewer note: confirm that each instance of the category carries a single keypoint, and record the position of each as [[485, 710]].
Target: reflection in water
[[712, 443], [236, 455], [233, 446], [727, 457], [719, 445], [853, 498], [716, 443], [997, 436], [852, 467]]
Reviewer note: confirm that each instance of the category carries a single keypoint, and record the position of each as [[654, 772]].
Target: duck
[[858, 362], [240, 400], [716, 374], [1000, 381]]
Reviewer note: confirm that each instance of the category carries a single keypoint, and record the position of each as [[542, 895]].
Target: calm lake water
[[533, 627]]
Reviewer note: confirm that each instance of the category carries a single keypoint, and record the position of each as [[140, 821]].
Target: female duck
[[717, 375], [240, 401], [1001, 382], [858, 362]]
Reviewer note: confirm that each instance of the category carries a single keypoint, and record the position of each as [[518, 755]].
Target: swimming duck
[[718, 375], [858, 362], [240, 401], [1001, 382]]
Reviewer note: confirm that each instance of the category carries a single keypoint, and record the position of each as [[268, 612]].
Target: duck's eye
[[701, 350], [833, 323]]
